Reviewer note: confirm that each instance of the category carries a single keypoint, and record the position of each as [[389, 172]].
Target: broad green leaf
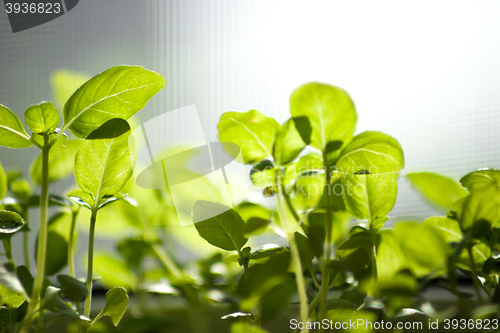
[[116, 305], [371, 151], [330, 111], [12, 132], [480, 178], [369, 197], [9, 298], [9, 279], [268, 251], [53, 295], [224, 230], [73, 288], [42, 118], [21, 189], [241, 327], [64, 82], [3, 182], [438, 190], [481, 205], [277, 299], [255, 226], [288, 143], [305, 251], [390, 258], [425, 249], [354, 255], [118, 92], [480, 252], [103, 162], [113, 272], [10, 222], [448, 228], [309, 191], [81, 198], [60, 167], [264, 174], [57, 252], [252, 131]]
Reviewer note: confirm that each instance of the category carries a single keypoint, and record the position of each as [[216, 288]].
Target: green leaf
[[81, 198], [369, 197], [372, 151], [255, 225], [64, 82], [263, 174], [242, 327], [480, 252], [116, 305], [24, 275], [330, 111], [113, 272], [288, 143], [305, 251], [224, 230], [42, 118], [390, 257], [479, 178], [73, 288], [12, 133], [252, 131], [448, 228], [118, 92], [277, 299], [438, 190], [10, 222], [11, 299], [354, 255], [53, 295], [9, 279], [3, 182], [59, 167], [424, 247], [492, 266], [481, 205], [61, 142], [57, 252], [103, 162], [267, 251]]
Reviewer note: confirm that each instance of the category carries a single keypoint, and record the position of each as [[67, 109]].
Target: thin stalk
[[42, 239], [90, 267], [71, 241], [325, 272], [374, 255], [475, 280], [294, 251], [8, 249], [26, 242]]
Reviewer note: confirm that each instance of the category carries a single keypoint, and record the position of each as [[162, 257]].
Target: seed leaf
[[372, 151], [10, 222], [116, 305], [12, 132], [438, 190], [103, 162], [224, 230], [42, 118], [118, 92], [330, 111], [252, 131], [288, 143]]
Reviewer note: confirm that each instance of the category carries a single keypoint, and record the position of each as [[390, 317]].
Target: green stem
[[325, 272], [26, 242], [475, 280], [71, 241], [90, 267], [294, 251], [8, 249], [42, 239], [374, 255]]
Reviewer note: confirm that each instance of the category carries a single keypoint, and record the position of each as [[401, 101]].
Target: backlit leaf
[[42, 118], [288, 144], [12, 132]]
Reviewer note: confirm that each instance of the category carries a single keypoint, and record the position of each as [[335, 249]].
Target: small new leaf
[[42, 118], [10, 222], [116, 305]]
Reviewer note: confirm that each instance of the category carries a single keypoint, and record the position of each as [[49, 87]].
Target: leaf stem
[[71, 241], [294, 252], [90, 267], [474, 277], [26, 242], [42, 239]]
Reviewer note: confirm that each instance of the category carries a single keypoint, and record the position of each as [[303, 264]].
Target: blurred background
[[427, 73]]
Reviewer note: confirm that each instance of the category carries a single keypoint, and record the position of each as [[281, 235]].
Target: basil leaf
[[330, 111], [288, 143], [116, 305], [42, 118], [12, 132], [118, 92]]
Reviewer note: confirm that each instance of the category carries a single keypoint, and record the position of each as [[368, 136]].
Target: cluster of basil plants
[[325, 198]]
